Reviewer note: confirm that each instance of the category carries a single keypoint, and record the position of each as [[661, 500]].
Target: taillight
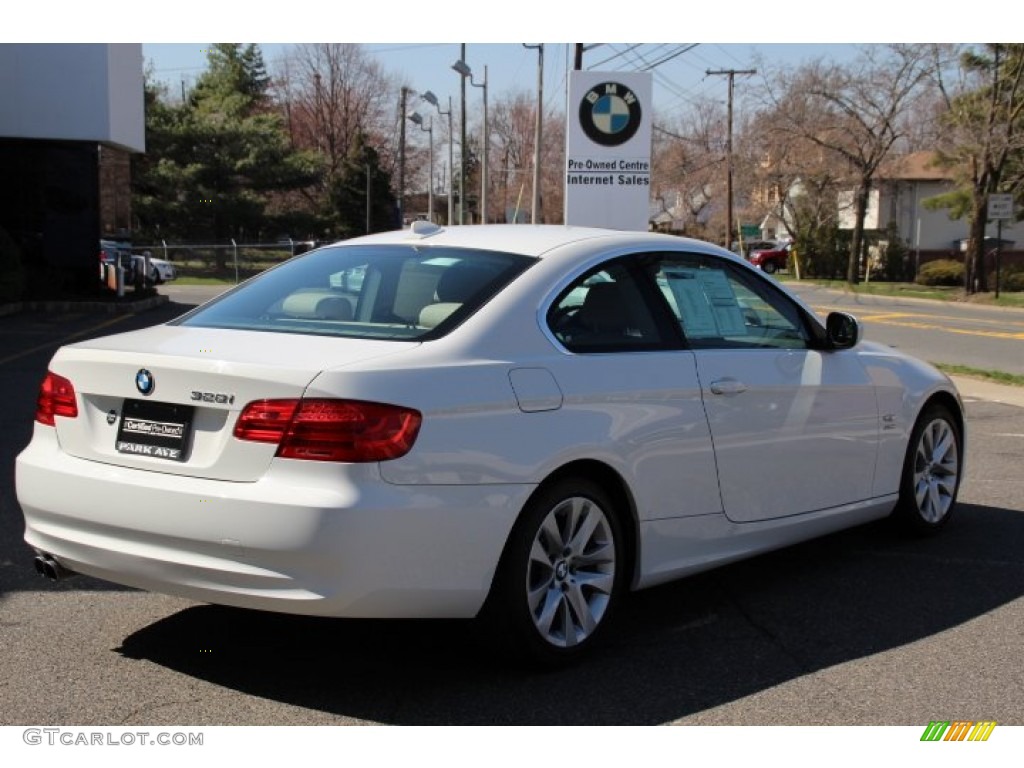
[[56, 398], [330, 430]]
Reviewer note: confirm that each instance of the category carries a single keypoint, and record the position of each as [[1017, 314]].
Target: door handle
[[728, 386]]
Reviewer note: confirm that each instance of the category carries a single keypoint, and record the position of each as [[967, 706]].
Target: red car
[[772, 260]]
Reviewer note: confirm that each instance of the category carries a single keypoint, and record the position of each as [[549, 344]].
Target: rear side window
[[606, 311], [379, 292]]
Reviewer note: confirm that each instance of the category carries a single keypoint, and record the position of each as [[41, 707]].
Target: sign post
[[608, 150], [1000, 208]]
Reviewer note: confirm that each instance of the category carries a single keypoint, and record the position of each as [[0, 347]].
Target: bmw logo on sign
[[144, 382], [610, 114]]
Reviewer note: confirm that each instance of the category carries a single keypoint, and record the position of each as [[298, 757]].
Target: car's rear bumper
[[307, 538]]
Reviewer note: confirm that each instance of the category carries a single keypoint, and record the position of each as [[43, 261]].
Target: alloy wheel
[[570, 574], [936, 470]]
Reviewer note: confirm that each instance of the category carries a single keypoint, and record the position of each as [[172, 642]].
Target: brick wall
[[115, 191]]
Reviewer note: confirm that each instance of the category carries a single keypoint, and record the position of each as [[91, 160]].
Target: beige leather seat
[[456, 286]]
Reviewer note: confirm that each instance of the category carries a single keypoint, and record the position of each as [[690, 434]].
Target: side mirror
[[843, 330]]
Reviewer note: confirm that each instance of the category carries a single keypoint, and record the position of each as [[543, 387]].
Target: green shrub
[[941, 272], [12, 271], [1011, 278]]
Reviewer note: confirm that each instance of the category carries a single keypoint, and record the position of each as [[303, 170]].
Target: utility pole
[[401, 159], [535, 207], [369, 190], [462, 143], [731, 74]]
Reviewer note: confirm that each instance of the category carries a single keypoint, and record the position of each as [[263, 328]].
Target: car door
[[631, 390], [794, 425]]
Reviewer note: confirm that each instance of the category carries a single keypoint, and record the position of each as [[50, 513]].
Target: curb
[[792, 284], [980, 389], [67, 305]]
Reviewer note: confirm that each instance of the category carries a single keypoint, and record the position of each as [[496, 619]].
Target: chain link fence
[[224, 260]]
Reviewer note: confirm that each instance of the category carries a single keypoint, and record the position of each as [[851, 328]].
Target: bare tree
[[513, 127], [795, 180], [688, 162], [332, 93], [856, 112], [552, 168]]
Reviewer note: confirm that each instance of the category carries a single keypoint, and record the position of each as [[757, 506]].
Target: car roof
[[534, 240]]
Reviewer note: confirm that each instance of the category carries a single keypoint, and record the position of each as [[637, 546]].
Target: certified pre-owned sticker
[[146, 427]]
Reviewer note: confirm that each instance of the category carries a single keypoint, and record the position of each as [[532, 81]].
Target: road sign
[[1000, 207]]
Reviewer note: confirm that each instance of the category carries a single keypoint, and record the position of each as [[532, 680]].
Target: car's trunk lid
[[201, 380]]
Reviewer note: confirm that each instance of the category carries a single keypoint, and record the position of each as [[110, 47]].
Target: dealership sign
[[608, 150]]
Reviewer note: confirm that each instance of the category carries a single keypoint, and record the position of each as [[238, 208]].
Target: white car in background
[[160, 270], [519, 422]]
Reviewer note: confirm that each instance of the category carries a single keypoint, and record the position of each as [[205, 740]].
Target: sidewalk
[[980, 389], [123, 306]]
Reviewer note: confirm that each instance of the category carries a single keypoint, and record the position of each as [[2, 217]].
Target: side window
[[605, 311], [719, 307]]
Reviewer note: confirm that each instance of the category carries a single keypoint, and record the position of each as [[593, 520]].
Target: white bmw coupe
[[522, 422]]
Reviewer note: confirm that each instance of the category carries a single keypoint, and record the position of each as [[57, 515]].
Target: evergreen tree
[[213, 163], [983, 143], [236, 76], [347, 194]]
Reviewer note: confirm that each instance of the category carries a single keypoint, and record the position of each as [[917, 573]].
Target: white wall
[[903, 202], [74, 92]]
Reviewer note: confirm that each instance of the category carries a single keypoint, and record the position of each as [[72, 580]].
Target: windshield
[[371, 291]]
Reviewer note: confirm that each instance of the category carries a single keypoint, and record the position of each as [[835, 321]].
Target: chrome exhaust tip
[[48, 567]]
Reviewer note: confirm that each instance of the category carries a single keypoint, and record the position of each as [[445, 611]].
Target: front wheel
[[769, 267], [561, 574], [931, 471]]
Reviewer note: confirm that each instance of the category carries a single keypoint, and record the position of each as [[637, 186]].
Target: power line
[[682, 49]]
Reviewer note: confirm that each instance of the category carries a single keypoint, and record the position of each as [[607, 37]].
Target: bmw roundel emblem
[[610, 114], [144, 382]]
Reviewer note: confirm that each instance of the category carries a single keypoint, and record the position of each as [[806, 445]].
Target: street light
[[430, 98], [462, 136], [463, 69], [417, 118]]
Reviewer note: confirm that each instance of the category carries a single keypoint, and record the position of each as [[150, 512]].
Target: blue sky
[[411, 37], [510, 66]]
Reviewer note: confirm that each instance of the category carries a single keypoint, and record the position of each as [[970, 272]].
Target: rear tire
[[931, 472], [561, 575]]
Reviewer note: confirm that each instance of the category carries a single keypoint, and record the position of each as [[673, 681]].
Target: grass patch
[[915, 291], [1000, 377]]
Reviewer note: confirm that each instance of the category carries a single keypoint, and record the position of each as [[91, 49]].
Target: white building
[[901, 187]]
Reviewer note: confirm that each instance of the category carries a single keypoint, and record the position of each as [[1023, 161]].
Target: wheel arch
[[952, 403], [612, 483], [907, 512]]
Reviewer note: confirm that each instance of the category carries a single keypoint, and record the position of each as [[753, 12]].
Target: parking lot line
[[63, 341]]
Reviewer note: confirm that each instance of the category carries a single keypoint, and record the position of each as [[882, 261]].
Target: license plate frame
[[155, 429]]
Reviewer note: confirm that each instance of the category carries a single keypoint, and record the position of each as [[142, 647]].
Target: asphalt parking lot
[[860, 628]]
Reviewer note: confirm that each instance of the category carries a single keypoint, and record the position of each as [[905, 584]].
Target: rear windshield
[[370, 291]]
